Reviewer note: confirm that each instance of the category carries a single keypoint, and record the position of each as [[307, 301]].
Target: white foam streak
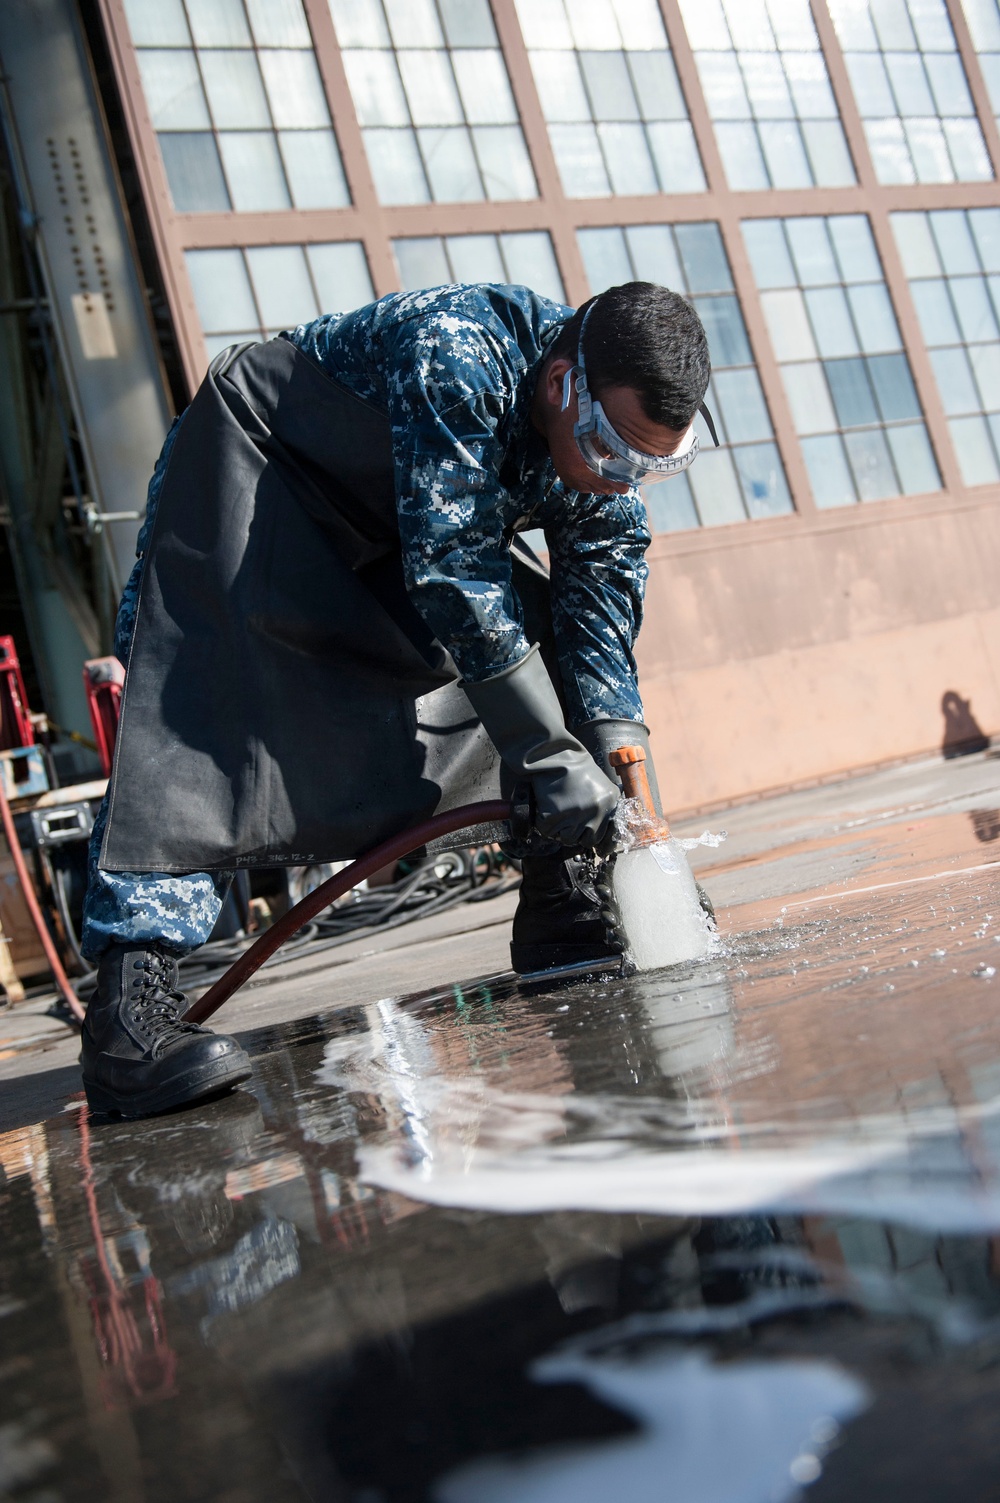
[[460, 1141], [611, 1177], [711, 1433]]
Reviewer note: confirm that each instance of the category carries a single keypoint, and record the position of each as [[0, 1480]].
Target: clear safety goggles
[[604, 451]]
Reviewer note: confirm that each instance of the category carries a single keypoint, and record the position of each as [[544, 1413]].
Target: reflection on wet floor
[[716, 1234]]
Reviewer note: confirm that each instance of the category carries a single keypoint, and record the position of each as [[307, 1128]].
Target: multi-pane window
[[256, 291], [848, 381], [911, 91], [767, 90], [745, 476], [952, 258], [983, 20], [432, 95], [236, 99], [609, 91], [521, 257]]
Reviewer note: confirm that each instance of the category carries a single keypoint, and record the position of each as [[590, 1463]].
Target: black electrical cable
[[367, 912], [61, 898]]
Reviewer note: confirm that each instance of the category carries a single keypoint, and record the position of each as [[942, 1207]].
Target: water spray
[[662, 917]]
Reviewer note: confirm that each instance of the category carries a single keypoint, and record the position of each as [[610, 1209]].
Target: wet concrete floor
[[729, 1233]]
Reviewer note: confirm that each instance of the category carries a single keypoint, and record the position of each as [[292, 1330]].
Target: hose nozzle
[[645, 825]]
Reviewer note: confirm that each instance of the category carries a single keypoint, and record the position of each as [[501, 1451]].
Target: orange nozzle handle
[[629, 763]]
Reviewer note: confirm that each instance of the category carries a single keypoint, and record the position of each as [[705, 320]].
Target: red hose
[[37, 918], [335, 887]]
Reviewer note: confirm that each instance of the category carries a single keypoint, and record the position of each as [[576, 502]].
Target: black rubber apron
[[284, 702]]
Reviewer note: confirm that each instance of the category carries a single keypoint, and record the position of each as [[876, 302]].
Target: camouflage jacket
[[455, 369]]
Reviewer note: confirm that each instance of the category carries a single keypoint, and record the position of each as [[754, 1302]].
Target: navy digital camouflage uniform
[[455, 368]]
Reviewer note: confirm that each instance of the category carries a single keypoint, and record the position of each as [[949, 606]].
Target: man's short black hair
[[648, 338]]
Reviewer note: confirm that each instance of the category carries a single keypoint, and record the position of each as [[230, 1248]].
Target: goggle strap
[[579, 343], [709, 422], [583, 397], [584, 401], [567, 387]]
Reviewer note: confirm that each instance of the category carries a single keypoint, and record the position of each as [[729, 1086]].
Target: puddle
[[722, 1232]]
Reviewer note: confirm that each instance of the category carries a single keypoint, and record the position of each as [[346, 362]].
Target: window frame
[[377, 226]]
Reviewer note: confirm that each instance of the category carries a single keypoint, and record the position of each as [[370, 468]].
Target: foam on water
[[662, 916], [707, 1432]]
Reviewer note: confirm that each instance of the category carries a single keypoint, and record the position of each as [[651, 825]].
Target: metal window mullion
[[726, 207], [373, 230], [766, 364], [268, 227], [465, 123], [976, 82], [694, 98], [753, 122], [280, 226], [482, 218], [214, 131], [880, 201], [921, 369], [312, 280], [412, 126], [957, 195], [261, 326], [843, 93], [559, 214]]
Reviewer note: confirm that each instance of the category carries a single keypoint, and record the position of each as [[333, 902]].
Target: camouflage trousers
[[129, 908], [132, 908]]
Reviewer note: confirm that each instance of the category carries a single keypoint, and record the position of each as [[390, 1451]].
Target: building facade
[[818, 176]]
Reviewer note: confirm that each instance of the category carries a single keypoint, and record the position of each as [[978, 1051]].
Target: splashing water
[[657, 897]]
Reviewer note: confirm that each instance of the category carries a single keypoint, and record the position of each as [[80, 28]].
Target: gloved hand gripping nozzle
[[520, 710]]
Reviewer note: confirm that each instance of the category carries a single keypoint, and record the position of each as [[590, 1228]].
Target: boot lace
[[156, 1002]]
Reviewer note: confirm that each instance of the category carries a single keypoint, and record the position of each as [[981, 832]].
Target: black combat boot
[[565, 914], [138, 1056]]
